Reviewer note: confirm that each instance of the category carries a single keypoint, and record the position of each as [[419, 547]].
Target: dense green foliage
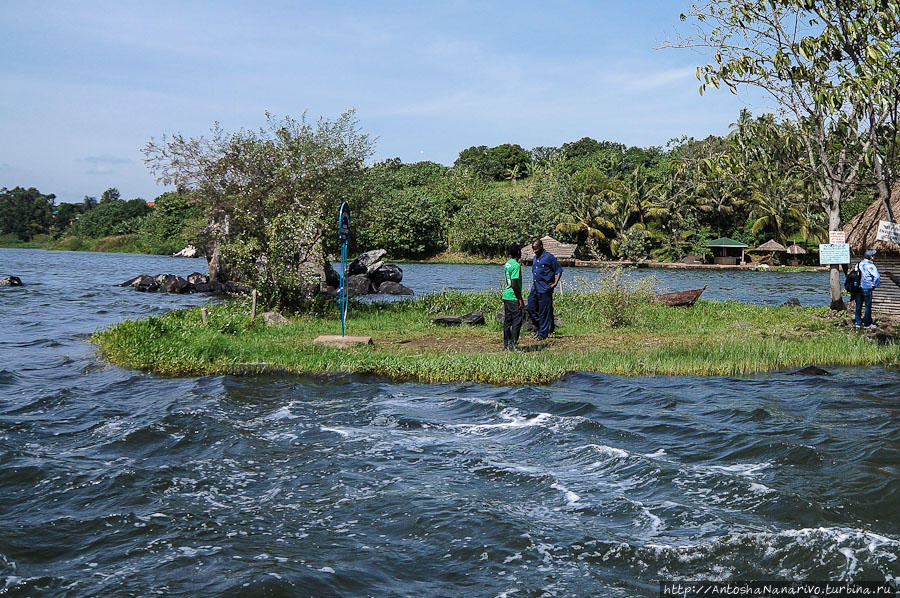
[[25, 213]]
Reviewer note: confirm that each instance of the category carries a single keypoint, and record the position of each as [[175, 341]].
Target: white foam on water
[[657, 454], [514, 419], [571, 497], [282, 413], [339, 431], [326, 570], [760, 488], [742, 469], [608, 451], [655, 521]]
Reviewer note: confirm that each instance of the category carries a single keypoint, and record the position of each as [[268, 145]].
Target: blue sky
[[84, 85]]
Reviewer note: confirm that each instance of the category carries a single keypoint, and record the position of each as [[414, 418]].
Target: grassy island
[[710, 338]]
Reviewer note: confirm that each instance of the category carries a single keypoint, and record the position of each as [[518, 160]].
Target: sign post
[[888, 231], [834, 253], [344, 239]]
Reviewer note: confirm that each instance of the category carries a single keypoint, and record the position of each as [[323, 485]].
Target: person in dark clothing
[[545, 275], [513, 304]]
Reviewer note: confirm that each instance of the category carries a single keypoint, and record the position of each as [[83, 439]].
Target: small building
[[768, 251], [795, 251], [862, 232], [727, 252], [564, 252]]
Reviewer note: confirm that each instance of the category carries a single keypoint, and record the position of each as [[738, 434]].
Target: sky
[[85, 85]]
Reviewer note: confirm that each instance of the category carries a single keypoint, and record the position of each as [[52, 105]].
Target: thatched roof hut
[[863, 228], [770, 245], [564, 252], [796, 250], [862, 231]]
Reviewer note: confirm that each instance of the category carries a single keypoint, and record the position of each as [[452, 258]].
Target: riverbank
[[711, 338]]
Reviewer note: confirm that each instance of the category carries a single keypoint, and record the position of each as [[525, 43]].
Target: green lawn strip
[[712, 338]]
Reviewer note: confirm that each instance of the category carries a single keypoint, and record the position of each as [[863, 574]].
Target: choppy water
[[114, 482]]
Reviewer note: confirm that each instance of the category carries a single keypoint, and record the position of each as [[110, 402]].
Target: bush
[[615, 296], [405, 222], [495, 218]]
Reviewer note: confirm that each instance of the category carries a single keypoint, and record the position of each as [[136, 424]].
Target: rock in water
[[177, 284], [144, 284], [11, 281], [811, 370], [386, 273], [361, 264], [394, 288], [189, 251], [197, 278], [359, 284], [273, 318]]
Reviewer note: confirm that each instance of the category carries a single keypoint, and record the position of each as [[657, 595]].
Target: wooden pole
[[203, 315], [253, 308]]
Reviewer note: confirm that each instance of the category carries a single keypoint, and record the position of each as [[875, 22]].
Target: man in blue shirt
[[869, 279], [545, 275]]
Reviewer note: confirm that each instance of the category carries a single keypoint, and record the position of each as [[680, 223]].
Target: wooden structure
[[768, 251], [680, 298], [861, 235], [727, 251], [564, 252], [795, 251]]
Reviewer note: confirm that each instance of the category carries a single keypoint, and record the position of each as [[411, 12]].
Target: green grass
[[13, 242], [711, 338]]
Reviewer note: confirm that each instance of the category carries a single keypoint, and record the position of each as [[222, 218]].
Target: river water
[[119, 483]]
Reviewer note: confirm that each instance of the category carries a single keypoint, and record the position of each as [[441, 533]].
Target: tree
[[406, 222], [111, 194], [25, 212], [270, 194], [831, 64]]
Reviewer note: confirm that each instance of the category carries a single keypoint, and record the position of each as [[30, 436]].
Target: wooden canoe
[[680, 298]]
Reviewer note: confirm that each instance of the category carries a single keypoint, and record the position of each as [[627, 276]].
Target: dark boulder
[[361, 264], [394, 288], [177, 284], [11, 281], [473, 318], [792, 303], [329, 290], [197, 278], [386, 273], [133, 282], [146, 284], [332, 278], [360, 284], [811, 370]]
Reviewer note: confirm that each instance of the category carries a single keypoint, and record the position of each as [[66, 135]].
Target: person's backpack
[[853, 280]]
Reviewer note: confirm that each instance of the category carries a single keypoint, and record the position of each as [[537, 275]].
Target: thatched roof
[[796, 250], [562, 251], [863, 228], [771, 245]]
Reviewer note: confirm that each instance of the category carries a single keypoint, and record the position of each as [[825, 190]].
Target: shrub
[[405, 222], [615, 296]]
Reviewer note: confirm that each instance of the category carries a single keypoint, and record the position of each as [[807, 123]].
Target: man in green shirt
[[513, 305]]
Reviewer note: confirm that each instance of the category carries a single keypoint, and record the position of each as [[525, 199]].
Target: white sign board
[[888, 231], [834, 253], [836, 237]]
